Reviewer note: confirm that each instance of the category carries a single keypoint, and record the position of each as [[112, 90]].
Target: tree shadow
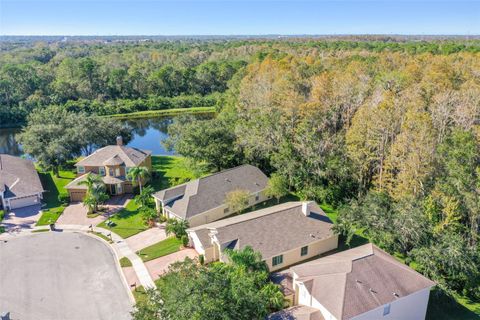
[[444, 307], [50, 196]]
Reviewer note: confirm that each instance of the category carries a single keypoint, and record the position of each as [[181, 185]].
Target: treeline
[[391, 138], [104, 80], [107, 78]]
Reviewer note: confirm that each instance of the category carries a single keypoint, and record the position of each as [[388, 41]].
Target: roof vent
[[372, 291], [396, 295], [227, 180], [358, 281]]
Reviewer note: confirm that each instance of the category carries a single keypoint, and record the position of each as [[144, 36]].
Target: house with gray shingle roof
[[203, 200], [284, 234], [364, 283], [112, 163], [20, 185]]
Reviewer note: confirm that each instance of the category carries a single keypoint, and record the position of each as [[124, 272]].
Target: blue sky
[[228, 17]]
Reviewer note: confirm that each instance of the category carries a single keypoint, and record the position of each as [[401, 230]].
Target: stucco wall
[[315, 248], [411, 307]]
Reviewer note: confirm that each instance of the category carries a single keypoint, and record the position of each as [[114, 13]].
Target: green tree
[[176, 227], [277, 187], [138, 175], [95, 192], [209, 141], [237, 200], [248, 258], [145, 197]]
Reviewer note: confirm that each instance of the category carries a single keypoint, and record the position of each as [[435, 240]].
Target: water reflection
[[146, 134]]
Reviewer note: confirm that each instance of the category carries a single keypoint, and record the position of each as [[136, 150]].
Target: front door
[[119, 188], [113, 189]]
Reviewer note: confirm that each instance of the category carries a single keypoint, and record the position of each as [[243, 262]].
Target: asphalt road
[[55, 275]]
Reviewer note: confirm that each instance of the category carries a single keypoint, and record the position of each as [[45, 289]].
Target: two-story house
[[112, 163]]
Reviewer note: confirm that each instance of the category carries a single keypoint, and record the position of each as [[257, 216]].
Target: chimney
[[119, 141], [306, 208]]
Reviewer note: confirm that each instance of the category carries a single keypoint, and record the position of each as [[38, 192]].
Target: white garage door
[[24, 202]]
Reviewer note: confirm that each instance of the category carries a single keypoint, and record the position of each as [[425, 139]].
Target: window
[[226, 210], [277, 260], [386, 310], [101, 171], [81, 169], [257, 197], [304, 251], [117, 172], [110, 172]]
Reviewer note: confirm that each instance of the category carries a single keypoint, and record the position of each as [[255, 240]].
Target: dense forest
[[388, 132]]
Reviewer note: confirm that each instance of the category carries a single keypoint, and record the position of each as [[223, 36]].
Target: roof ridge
[[225, 170], [257, 215]]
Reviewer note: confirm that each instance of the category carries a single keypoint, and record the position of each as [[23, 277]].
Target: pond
[[146, 134]]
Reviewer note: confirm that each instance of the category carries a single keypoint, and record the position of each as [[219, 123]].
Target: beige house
[[203, 200], [112, 163], [364, 283], [284, 234], [20, 185]]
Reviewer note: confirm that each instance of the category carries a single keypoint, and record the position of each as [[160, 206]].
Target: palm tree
[[248, 258], [138, 174], [145, 197], [95, 192], [176, 227]]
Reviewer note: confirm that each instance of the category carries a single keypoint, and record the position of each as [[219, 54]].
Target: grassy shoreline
[[160, 113]]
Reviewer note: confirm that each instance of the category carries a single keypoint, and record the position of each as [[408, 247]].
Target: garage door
[[76, 196], [24, 202]]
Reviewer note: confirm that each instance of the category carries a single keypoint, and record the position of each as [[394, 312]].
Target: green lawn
[[53, 187], [125, 262], [166, 168], [160, 249], [128, 221]]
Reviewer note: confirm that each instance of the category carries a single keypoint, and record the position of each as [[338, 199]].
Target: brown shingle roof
[[114, 155], [18, 177], [209, 192], [273, 230], [358, 280]]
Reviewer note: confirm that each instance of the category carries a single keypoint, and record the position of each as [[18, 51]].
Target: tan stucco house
[[112, 163], [20, 185], [203, 200], [364, 283], [284, 234]]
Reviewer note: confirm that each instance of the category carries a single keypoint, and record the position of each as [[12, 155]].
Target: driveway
[[25, 217], [54, 275], [159, 266], [146, 238], [76, 213]]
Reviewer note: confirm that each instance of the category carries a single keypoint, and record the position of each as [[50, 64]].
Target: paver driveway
[[54, 275], [24, 217]]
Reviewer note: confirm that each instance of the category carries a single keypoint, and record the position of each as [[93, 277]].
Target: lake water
[[147, 134]]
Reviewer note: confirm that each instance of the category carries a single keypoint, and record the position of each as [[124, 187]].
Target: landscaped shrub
[[2, 215], [64, 198], [185, 240]]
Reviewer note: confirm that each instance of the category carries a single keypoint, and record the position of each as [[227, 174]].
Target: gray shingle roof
[[358, 280], [209, 192], [273, 230], [114, 155], [18, 177], [75, 184]]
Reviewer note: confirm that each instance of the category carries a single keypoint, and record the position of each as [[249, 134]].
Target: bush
[[185, 241], [201, 259], [2, 215], [64, 198]]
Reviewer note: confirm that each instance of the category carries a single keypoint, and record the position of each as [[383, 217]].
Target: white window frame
[[102, 171], [274, 259], [117, 172], [81, 169]]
